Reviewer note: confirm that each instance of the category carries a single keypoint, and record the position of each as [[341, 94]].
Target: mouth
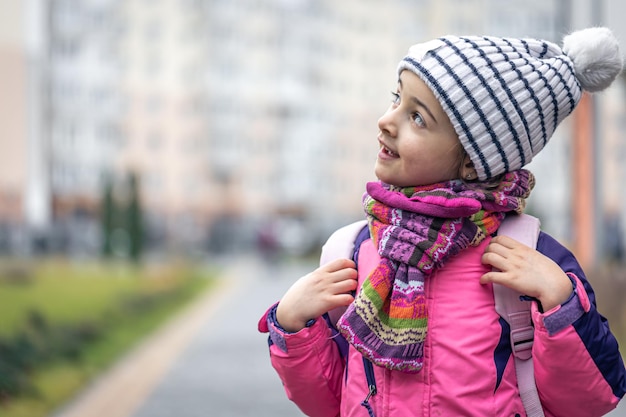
[[387, 151]]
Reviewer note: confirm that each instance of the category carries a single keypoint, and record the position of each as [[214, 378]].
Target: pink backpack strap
[[516, 312], [340, 245]]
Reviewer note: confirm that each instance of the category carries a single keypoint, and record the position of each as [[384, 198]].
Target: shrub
[[41, 340]]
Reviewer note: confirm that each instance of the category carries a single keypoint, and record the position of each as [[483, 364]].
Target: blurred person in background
[[417, 309]]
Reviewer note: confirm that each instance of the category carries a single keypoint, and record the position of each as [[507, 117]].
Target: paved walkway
[[210, 361]]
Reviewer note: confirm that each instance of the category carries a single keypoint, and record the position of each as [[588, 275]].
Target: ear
[[468, 172]]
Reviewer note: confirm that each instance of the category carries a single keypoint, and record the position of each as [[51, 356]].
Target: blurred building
[[24, 194], [230, 112], [162, 50], [83, 114], [13, 132]]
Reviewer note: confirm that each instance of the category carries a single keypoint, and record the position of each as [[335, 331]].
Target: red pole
[[583, 172]]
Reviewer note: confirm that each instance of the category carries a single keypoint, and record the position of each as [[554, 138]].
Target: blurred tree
[[122, 220], [107, 215], [134, 222]]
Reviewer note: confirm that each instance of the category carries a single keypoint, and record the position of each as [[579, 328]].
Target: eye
[[395, 98], [418, 119]]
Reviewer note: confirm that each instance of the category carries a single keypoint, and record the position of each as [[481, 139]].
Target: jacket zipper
[[371, 385]]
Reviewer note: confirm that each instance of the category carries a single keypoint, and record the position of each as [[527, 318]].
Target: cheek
[[442, 160], [430, 153], [449, 159]]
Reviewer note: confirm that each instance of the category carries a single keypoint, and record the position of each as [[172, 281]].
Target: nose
[[387, 123]]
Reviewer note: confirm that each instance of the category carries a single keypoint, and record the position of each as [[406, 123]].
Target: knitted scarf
[[416, 230]]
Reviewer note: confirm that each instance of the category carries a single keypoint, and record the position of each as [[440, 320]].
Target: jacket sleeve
[[309, 364], [578, 367]]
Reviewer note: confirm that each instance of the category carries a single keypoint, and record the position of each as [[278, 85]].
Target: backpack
[[510, 305]]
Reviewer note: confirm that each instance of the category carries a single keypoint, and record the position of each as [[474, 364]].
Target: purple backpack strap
[[515, 309]]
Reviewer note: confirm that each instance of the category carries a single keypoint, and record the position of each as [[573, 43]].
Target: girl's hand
[[314, 294], [527, 271]]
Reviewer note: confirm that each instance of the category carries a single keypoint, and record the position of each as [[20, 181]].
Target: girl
[[424, 337]]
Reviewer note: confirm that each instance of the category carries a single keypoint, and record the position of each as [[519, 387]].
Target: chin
[[380, 174], [388, 178]]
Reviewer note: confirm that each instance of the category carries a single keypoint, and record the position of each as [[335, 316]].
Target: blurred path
[[225, 371], [210, 361], [620, 411]]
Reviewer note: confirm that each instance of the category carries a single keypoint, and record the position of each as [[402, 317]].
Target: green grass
[[98, 293], [64, 293]]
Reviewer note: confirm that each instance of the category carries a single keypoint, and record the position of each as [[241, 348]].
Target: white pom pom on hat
[[596, 57], [506, 96]]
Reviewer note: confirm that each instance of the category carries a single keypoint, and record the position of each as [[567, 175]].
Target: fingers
[[344, 286], [502, 245], [503, 250], [343, 299], [496, 260], [342, 280], [324, 289], [338, 264], [339, 270], [514, 264], [496, 252], [493, 277], [495, 257], [502, 254]]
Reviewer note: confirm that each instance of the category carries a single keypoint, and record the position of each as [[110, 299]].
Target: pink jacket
[[468, 365]]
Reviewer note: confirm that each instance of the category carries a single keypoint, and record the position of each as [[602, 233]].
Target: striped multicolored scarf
[[416, 230]]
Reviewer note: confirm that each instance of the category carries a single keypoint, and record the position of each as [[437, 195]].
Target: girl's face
[[418, 145]]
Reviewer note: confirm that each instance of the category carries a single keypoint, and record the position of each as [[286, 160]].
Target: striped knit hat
[[505, 97]]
